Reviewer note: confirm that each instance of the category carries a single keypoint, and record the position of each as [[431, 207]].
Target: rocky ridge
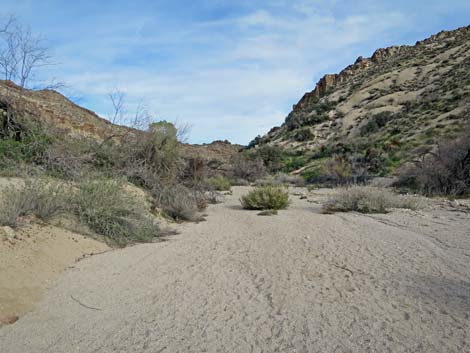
[[400, 100]]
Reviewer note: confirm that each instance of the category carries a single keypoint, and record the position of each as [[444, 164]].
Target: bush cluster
[[220, 183], [366, 199], [442, 171], [101, 204], [108, 210], [41, 198], [266, 198]]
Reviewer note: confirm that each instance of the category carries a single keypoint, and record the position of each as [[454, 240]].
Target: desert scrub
[[181, 203], [220, 183], [286, 179], [366, 199], [42, 198], [110, 211], [266, 198]]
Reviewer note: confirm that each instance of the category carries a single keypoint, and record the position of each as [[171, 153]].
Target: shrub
[[271, 156], [366, 199], [376, 122], [108, 210], [266, 198], [29, 149], [41, 198], [303, 134], [181, 203], [220, 183], [291, 163], [444, 171], [153, 157], [286, 179], [246, 168]]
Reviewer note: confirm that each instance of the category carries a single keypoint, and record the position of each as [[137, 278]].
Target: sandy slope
[[297, 282], [31, 260]]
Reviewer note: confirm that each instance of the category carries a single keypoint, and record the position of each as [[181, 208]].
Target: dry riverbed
[[300, 281]]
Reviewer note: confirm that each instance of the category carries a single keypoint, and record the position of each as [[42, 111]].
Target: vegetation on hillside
[[379, 114]]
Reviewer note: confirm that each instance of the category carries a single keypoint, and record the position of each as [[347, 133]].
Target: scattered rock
[[7, 232], [8, 320]]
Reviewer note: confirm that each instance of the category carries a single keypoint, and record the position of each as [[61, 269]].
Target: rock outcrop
[[400, 98]]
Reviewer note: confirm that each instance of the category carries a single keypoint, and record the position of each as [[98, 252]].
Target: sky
[[231, 69]]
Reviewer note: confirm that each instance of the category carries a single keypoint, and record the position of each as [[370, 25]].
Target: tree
[[21, 53], [116, 97]]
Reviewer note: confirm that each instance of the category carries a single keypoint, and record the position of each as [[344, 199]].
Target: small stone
[[8, 320], [7, 232]]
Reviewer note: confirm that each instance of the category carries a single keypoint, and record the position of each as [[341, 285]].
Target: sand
[[31, 259], [300, 281]]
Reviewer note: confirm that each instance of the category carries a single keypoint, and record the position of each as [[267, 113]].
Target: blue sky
[[230, 68]]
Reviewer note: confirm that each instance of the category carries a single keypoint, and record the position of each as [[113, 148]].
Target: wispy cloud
[[230, 69]]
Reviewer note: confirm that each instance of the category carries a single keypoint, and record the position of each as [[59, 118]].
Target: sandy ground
[[300, 281], [31, 259]]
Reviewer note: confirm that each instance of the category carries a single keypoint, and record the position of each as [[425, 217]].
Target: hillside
[[382, 111], [51, 109]]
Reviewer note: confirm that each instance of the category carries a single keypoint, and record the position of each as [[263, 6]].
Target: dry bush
[[181, 203], [239, 182], [339, 169], [287, 179], [108, 210], [247, 168], [268, 180], [445, 171], [281, 179], [42, 198], [266, 198], [366, 199]]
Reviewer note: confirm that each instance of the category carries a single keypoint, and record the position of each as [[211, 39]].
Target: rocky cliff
[[401, 100]]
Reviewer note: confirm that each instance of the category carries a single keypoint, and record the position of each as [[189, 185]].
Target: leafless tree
[[183, 131], [21, 52], [141, 119], [117, 97]]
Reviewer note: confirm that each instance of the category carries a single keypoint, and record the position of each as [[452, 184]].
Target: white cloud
[[233, 77]]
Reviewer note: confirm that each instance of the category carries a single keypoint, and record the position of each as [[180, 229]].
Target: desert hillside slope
[[51, 109], [383, 110]]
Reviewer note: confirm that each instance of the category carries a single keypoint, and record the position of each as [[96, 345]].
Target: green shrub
[[42, 198], [366, 199], [271, 156], [303, 134], [30, 149], [291, 163], [266, 198], [220, 183], [108, 210], [376, 122]]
